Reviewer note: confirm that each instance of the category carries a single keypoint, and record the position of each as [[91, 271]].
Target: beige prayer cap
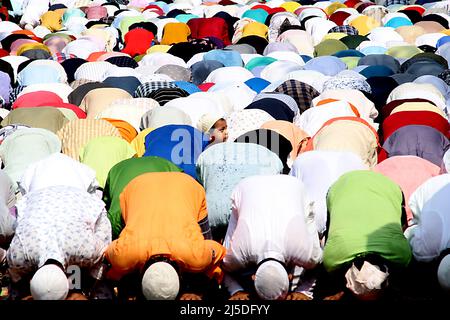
[[410, 33]]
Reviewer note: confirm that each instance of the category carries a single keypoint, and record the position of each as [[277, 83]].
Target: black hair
[[159, 258], [54, 262]]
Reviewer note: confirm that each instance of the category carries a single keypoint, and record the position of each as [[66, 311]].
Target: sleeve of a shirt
[[103, 230], [425, 239], [206, 230], [203, 212], [18, 264], [231, 284]]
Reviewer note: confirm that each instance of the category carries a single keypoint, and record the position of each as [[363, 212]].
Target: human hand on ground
[[76, 296], [297, 296], [240, 295], [335, 297], [190, 296]]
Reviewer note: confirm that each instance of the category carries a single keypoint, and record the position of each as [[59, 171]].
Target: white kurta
[[431, 235], [270, 219], [318, 170]]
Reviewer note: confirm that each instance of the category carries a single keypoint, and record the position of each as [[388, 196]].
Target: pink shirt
[[409, 172]]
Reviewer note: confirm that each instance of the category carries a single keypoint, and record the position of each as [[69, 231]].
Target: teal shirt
[[365, 211]]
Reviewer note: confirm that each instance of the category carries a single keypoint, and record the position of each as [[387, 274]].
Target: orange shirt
[[161, 211]]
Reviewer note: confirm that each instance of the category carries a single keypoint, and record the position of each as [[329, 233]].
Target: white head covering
[[365, 283], [271, 281], [49, 283], [443, 273], [207, 121], [160, 282]]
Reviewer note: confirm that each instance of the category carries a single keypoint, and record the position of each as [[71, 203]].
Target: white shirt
[[270, 219], [431, 209], [318, 170], [58, 169]]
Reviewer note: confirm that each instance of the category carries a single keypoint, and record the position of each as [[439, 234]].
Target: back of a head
[[271, 281], [443, 273], [160, 282], [49, 283]]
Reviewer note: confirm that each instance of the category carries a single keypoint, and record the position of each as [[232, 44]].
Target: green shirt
[[102, 153], [365, 211], [118, 178]]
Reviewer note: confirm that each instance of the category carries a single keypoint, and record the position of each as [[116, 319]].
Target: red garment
[[209, 27], [268, 9], [276, 10], [154, 8], [38, 99], [262, 6], [205, 86], [46, 99], [425, 118], [351, 3], [137, 41], [4, 11], [227, 3], [419, 9], [387, 109], [3, 53], [339, 17]]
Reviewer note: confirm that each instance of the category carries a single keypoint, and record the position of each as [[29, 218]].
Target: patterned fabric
[[345, 29], [164, 95], [75, 134], [246, 120], [204, 44], [141, 103], [388, 3], [177, 73], [302, 93], [344, 82], [289, 101], [145, 89], [445, 76], [110, 20], [15, 93], [60, 57], [123, 61], [61, 223]]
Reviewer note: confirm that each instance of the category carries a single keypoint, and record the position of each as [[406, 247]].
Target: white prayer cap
[[207, 121], [49, 283], [443, 273], [160, 282], [271, 281], [365, 283]]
